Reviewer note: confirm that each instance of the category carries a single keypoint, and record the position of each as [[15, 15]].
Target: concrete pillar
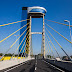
[[29, 37], [43, 35]]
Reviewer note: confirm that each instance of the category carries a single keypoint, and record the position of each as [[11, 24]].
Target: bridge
[[21, 58]]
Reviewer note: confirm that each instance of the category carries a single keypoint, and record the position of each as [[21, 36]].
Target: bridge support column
[[29, 37], [43, 36]]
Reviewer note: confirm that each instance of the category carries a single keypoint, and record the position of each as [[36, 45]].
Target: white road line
[[35, 68], [36, 65], [15, 67], [54, 66]]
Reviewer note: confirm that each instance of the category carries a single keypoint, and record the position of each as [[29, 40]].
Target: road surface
[[32, 66]]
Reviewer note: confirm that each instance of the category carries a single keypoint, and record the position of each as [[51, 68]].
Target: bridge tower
[[28, 13]]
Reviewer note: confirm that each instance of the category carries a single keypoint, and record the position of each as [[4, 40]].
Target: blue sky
[[57, 10]]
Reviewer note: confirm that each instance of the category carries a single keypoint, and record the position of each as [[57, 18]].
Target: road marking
[[54, 66], [35, 68], [36, 65], [15, 67]]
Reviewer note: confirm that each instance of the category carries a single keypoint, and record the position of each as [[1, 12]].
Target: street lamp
[[69, 28]]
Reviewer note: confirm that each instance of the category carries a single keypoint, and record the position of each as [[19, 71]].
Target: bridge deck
[[32, 66]]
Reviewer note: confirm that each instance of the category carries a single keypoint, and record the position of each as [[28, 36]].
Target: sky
[[57, 10]]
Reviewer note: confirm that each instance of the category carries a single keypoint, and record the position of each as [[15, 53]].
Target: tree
[[1, 54], [49, 56], [9, 54]]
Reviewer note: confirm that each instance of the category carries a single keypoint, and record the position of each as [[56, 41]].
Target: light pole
[[69, 28]]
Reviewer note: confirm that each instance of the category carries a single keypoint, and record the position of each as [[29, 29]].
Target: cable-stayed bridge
[[22, 58]]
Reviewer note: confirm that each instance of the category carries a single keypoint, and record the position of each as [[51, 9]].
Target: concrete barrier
[[67, 65], [10, 63]]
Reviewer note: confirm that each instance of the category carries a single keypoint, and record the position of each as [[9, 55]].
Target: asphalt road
[[32, 66]]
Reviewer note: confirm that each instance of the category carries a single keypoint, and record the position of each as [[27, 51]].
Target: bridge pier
[[29, 37], [43, 36]]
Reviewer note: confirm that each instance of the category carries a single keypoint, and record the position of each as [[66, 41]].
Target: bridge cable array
[[14, 22], [52, 44], [57, 42], [15, 41], [47, 48], [13, 33], [50, 47], [59, 33], [24, 44], [13, 44], [20, 45], [58, 22]]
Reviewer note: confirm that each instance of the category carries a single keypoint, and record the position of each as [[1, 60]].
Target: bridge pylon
[[43, 36], [34, 12]]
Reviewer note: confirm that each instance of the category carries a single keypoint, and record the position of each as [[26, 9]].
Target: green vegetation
[[9, 54], [1, 54], [49, 56]]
